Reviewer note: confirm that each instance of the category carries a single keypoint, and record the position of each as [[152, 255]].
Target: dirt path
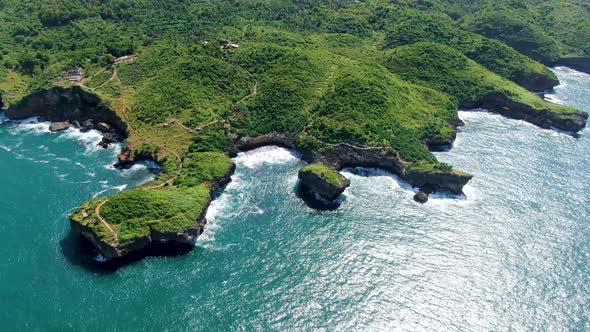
[[116, 78], [106, 224], [253, 91]]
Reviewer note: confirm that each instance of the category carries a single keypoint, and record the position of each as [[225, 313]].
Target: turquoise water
[[512, 254]]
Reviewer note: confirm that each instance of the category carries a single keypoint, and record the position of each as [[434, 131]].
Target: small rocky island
[[325, 181]]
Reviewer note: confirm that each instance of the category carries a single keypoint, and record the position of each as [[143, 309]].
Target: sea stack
[[325, 181]]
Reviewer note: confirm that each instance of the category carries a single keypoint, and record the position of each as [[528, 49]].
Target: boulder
[[59, 126], [103, 127], [87, 125], [421, 197]]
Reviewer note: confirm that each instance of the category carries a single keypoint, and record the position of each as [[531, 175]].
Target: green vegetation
[[445, 69], [409, 27], [543, 30], [197, 75], [132, 214], [326, 173]]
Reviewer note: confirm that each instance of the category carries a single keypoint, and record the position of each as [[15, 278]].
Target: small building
[[75, 74]]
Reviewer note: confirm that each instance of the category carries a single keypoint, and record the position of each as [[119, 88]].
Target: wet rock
[[103, 126], [421, 197], [59, 126], [87, 125]]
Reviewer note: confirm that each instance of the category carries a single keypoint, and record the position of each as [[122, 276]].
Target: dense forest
[[191, 76]]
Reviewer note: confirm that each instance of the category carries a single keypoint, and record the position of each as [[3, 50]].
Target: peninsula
[[346, 83]]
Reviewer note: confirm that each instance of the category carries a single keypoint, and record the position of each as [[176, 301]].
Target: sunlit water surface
[[512, 254]]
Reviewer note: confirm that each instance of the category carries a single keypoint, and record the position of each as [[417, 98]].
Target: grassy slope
[[543, 30], [173, 208], [405, 27], [445, 69], [324, 172]]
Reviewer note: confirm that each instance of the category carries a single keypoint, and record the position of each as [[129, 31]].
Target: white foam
[[554, 99], [3, 118], [351, 172], [101, 259], [443, 199], [254, 159], [220, 206], [5, 148], [142, 172], [31, 125], [89, 140], [114, 188]]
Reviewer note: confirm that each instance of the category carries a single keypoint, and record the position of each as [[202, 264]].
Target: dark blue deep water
[[512, 254]]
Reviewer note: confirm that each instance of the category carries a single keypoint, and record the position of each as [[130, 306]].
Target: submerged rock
[[59, 126], [327, 182]]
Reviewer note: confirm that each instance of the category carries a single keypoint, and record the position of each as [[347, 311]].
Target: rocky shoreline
[[65, 107], [577, 63], [502, 104], [348, 155], [155, 237]]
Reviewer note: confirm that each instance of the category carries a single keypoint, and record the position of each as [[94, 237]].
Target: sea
[[511, 254]]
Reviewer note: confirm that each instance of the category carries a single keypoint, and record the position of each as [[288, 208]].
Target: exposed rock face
[[250, 143], [537, 82], [578, 63], [453, 182], [73, 105], [325, 189], [421, 197], [59, 126], [348, 155], [107, 249], [435, 143], [500, 103]]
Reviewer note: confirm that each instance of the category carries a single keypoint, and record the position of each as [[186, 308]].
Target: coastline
[[338, 156]]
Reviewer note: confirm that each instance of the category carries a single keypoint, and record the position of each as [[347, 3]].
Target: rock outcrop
[[74, 105], [339, 156], [544, 118], [111, 248], [59, 126], [421, 197], [328, 183], [537, 82], [578, 63]]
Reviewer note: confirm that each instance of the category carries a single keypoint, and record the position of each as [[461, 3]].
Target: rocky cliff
[[73, 105], [83, 222], [498, 102], [343, 155], [578, 63], [328, 183]]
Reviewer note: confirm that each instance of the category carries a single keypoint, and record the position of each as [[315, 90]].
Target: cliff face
[[112, 248], [544, 118], [347, 155], [81, 108], [537, 82], [578, 63], [328, 183]]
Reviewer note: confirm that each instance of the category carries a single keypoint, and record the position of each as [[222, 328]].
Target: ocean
[[513, 253]]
